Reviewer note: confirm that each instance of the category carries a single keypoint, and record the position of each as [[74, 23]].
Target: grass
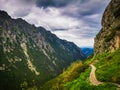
[[82, 83], [79, 82], [76, 77], [108, 67], [68, 75]]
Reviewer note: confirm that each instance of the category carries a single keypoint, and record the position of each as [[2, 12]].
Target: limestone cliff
[[108, 39]]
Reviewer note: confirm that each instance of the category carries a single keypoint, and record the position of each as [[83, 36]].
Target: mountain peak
[[31, 54], [4, 14]]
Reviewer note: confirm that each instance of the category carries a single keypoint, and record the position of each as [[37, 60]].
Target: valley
[[31, 55], [33, 58]]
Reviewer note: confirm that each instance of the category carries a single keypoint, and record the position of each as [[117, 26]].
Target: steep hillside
[[107, 72], [78, 75], [29, 56], [72, 72], [108, 39], [108, 67]]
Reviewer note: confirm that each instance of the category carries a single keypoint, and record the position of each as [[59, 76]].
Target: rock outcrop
[[108, 39]]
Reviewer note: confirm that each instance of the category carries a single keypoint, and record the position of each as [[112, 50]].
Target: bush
[[108, 67]]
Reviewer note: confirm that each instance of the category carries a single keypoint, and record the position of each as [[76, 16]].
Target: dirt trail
[[94, 80], [92, 77]]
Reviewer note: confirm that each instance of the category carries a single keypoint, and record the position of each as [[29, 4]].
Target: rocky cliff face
[[29, 56], [108, 39]]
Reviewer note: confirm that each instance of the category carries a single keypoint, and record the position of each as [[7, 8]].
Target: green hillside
[[73, 72], [108, 67], [76, 77]]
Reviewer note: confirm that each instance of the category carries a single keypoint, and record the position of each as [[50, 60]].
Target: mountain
[[30, 56], [87, 51], [102, 71], [108, 39]]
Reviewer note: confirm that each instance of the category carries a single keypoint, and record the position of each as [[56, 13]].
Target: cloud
[[77, 38], [17, 8], [53, 3], [57, 3], [52, 18], [74, 20]]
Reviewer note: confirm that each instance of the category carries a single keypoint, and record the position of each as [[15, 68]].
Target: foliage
[[24, 85], [109, 37], [112, 33], [82, 83], [108, 67], [79, 82], [70, 74], [107, 71]]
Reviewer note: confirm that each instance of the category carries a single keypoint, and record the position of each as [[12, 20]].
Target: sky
[[77, 21]]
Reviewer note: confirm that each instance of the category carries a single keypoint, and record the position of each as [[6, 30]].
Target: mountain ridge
[[30, 55], [87, 51]]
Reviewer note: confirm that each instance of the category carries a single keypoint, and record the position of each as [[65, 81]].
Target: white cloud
[[51, 17], [78, 21], [16, 8], [77, 39]]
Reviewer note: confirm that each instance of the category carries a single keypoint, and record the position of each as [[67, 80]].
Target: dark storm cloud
[[61, 29], [73, 20], [86, 13], [52, 3], [57, 3], [81, 8], [75, 8]]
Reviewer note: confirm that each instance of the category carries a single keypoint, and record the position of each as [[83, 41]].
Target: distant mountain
[[87, 51], [30, 56]]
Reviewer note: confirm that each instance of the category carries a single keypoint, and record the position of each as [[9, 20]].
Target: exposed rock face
[[29, 55], [108, 39]]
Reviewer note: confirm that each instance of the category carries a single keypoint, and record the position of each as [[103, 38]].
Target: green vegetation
[[112, 33], [70, 74], [26, 49], [79, 82], [49, 55], [76, 77], [82, 83], [107, 71], [108, 67], [109, 37]]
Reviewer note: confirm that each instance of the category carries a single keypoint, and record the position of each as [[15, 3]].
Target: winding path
[[94, 80], [92, 77]]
